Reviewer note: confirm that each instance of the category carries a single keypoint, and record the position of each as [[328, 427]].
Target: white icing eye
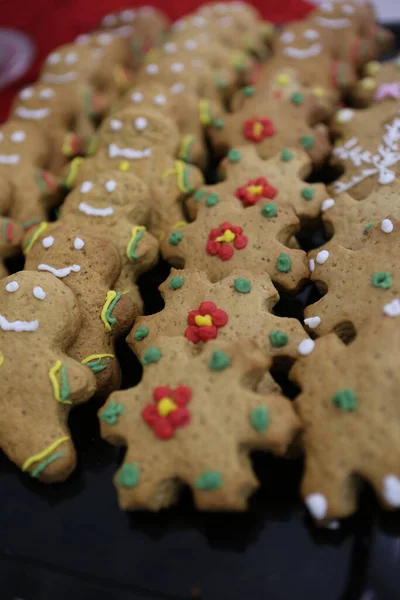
[[83, 39], [179, 25], [287, 37], [48, 241], [311, 34], [26, 93], [13, 286], [347, 9], [47, 93], [152, 69], [128, 15], [170, 48], [86, 187], [177, 88], [39, 293], [54, 58], [110, 185], [141, 123], [104, 39], [18, 136], [71, 58], [177, 67], [326, 7], [78, 243], [160, 100], [199, 21], [115, 124], [109, 20], [137, 97], [190, 45]]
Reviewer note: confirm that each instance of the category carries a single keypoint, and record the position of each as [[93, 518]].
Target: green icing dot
[[345, 400], [308, 193], [249, 90], [242, 285], [175, 238], [219, 361], [307, 141], [382, 279], [218, 123], [234, 156], [297, 98], [259, 419], [368, 227], [112, 412], [269, 210], [284, 263], [212, 199], [152, 355], [278, 339], [209, 481], [221, 84], [141, 333], [286, 155], [129, 475], [176, 282], [199, 195]]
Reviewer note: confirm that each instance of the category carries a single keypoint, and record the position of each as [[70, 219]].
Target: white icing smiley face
[[288, 37], [336, 20], [35, 95], [19, 326], [59, 71], [18, 137]]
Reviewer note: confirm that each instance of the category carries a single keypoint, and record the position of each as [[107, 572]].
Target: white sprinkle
[[78, 243], [18, 136], [48, 241], [177, 67], [115, 124], [39, 293], [152, 69], [387, 226], [392, 309], [141, 123], [317, 505], [311, 265], [306, 347], [312, 322], [328, 203], [137, 97], [86, 187], [391, 490], [322, 257], [160, 100], [111, 185], [13, 286]]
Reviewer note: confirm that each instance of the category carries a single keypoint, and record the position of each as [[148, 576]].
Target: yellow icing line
[[1, 358], [135, 230], [46, 452], [204, 112], [35, 236], [109, 298], [179, 224], [53, 372], [95, 357]]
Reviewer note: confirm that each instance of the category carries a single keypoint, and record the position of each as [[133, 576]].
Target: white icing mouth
[[30, 113], [7, 325], [65, 78], [130, 153], [60, 272], [9, 159], [87, 209], [313, 50], [333, 23]]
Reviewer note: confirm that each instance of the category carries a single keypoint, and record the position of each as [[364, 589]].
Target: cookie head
[[21, 142], [299, 42], [335, 15], [67, 64], [150, 95], [36, 103]]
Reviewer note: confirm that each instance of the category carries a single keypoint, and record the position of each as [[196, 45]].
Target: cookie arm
[[118, 312], [11, 233]]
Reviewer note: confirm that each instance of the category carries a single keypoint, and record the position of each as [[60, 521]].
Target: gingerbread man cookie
[[171, 418], [39, 320]]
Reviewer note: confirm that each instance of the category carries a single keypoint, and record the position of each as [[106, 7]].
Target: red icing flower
[[258, 128], [205, 322], [169, 410], [255, 189], [219, 240]]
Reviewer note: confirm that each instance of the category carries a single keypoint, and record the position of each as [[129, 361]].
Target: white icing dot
[[190, 45], [104, 39], [328, 203], [160, 100], [47, 93], [177, 88], [177, 67], [115, 124], [311, 265], [391, 490], [347, 9], [287, 37], [387, 226], [306, 347], [71, 58], [170, 48], [53, 58], [83, 39], [344, 115], [48, 241], [110, 185], [199, 21], [311, 34], [13, 286], [312, 322], [109, 20], [317, 505], [322, 257], [137, 97], [39, 293], [86, 187], [152, 69], [141, 123], [18, 136], [128, 15], [78, 243], [326, 7], [26, 93], [392, 309]]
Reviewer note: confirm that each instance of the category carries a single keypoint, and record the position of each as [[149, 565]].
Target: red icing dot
[[160, 392], [240, 242], [182, 394], [207, 308], [225, 252]]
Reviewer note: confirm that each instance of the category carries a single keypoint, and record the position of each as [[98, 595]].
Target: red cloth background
[[53, 22]]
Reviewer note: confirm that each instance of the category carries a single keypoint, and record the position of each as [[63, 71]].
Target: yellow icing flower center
[[203, 320], [255, 190], [282, 79], [166, 406], [227, 236], [257, 129]]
